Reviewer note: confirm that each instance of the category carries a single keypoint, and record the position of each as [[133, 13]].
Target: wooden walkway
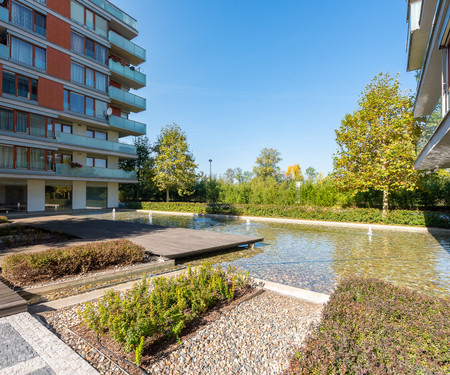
[[169, 242], [10, 302]]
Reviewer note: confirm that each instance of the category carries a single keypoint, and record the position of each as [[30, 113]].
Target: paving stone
[[13, 348]]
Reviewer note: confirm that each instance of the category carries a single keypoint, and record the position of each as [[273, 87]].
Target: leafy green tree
[[267, 164], [311, 173], [174, 163], [376, 143], [229, 176]]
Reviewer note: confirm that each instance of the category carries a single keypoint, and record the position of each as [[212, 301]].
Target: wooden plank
[[10, 302]]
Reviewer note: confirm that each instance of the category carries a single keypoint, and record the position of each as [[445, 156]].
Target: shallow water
[[315, 257]]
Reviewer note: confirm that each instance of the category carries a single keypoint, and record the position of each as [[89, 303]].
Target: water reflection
[[315, 257]]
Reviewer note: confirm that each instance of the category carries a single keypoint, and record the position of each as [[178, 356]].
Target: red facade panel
[[60, 6], [50, 94], [58, 31], [116, 111], [115, 84], [58, 64]]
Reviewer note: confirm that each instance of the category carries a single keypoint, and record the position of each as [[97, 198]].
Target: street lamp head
[[210, 160]]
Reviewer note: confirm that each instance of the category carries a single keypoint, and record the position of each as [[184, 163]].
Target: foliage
[[3, 219], [376, 144], [294, 173], [267, 164], [373, 327], [347, 215], [311, 173], [174, 163], [26, 268], [161, 306]]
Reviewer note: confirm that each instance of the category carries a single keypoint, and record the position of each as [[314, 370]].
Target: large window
[[28, 53], [18, 85], [28, 19], [78, 73], [76, 102], [22, 157], [88, 47], [96, 134], [6, 156], [26, 123], [88, 18], [84, 104], [95, 162], [38, 125], [87, 76], [26, 158], [101, 81], [6, 119]]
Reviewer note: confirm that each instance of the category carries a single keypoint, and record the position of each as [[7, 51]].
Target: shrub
[[146, 313], [374, 327], [26, 268], [3, 219], [355, 215]]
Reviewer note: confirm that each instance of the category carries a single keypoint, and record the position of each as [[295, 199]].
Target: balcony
[[91, 172], [129, 29], [127, 127], [4, 14], [127, 100], [127, 76], [81, 141], [131, 52]]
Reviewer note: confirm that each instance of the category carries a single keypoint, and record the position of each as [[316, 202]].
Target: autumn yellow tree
[[376, 143], [294, 173]]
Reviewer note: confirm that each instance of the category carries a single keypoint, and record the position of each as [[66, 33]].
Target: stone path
[[28, 348]]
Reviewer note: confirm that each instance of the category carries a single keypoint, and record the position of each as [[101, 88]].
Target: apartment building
[[429, 54], [66, 70]]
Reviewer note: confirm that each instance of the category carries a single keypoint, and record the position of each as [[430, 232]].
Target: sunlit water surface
[[315, 257]]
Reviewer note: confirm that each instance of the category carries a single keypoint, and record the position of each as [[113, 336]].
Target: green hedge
[[3, 219], [27, 268], [354, 215], [374, 327]]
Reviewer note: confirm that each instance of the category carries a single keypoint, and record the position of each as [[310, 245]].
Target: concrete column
[[79, 157], [79, 195], [35, 195], [113, 194]]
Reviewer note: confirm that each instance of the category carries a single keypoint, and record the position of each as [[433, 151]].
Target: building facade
[[66, 70], [429, 54]]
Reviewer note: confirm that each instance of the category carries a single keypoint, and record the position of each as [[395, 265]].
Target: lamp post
[[210, 161]]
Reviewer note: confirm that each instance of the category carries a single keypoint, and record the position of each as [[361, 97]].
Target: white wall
[[113, 194], [79, 157], [79, 195], [113, 136], [79, 129], [113, 162], [35, 195]]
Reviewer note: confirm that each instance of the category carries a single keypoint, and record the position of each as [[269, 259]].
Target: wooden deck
[[169, 242], [10, 302]]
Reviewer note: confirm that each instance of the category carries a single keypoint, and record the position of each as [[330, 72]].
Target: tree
[[174, 164], [267, 164], [376, 144], [294, 173], [311, 173], [229, 176]]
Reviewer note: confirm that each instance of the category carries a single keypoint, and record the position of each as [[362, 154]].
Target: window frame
[[33, 18], [33, 53], [48, 121]]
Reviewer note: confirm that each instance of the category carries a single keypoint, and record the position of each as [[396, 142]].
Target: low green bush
[[26, 268], [145, 314], [354, 215], [373, 327], [3, 219]]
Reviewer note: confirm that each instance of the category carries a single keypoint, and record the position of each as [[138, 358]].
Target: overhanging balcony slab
[[126, 126], [127, 100], [126, 75]]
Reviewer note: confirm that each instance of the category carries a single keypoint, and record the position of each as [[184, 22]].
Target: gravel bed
[[257, 337]]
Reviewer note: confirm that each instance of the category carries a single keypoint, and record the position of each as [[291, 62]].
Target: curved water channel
[[314, 257]]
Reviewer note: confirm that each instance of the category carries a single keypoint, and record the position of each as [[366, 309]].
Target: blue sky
[[238, 76]]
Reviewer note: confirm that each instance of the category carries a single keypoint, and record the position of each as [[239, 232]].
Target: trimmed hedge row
[[3, 219], [373, 327], [355, 215], [26, 268]]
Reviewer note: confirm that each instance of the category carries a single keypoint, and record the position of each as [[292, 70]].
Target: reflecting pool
[[315, 257]]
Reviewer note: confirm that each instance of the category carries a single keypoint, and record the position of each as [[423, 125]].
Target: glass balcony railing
[[132, 127], [430, 127], [116, 12], [138, 79], [4, 14], [135, 54], [92, 172], [4, 51], [127, 99], [79, 140]]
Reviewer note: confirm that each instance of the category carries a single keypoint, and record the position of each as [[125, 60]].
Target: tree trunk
[[167, 195], [385, 202]]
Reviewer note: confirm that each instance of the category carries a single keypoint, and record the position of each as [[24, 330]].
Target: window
[[22, 157], [95, 162], [63, 128], [37, 159], [66, 100], [6, 156], [50, 164], [21, 122], [89, 106], [90, 48], [101, 81], [63, 158], [39, 57], [89, 19], [50, 128], [76, 102], [96, 134], [101, 54], [24, 17], [90, 133], [77, 12], [101, 26], [100, 108], [77, 42], [23, 52], [9, 83], [90, 77], [77, 73], [37, 125], [21, 86], [6, 119]]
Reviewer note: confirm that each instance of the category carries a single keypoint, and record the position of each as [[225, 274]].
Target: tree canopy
[[376, 143], [267, 164], [174, 164]]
